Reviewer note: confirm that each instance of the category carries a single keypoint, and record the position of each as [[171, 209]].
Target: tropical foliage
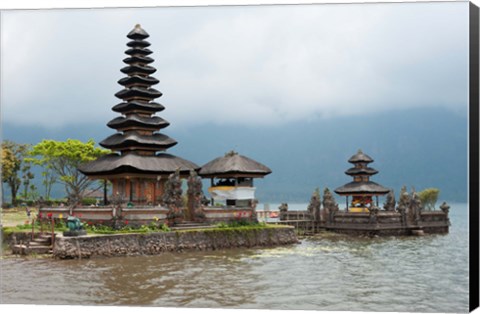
[[62, 159], [429, 197], [15, 169]]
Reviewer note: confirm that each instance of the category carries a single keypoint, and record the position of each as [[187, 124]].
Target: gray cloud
[[243, 65]]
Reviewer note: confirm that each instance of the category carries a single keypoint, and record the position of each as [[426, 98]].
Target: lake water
[[326, 272]]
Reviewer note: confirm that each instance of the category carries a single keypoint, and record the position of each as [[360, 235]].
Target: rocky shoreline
[[176, 241]]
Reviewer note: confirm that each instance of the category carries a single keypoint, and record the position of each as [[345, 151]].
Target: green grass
[[15, 216], [152, 227], [15, 220]]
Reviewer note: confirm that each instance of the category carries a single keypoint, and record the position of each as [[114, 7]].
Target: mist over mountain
[[415, 147]]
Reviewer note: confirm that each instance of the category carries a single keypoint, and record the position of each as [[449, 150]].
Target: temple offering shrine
[[232, 179], [138, 166], [361, 189]]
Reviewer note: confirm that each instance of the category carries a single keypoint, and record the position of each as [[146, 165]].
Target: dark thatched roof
[[154, 122], [369, 187], [138, 59], [138, 51], [360, 157], [138, 105], [142, 69], [138, 43], [137, 79], [156, 141], [359, 171], [138, 33], [131, 163], [136, 91], [235, 164]]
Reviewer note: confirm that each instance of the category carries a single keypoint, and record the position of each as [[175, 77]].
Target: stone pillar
[[195, 197]]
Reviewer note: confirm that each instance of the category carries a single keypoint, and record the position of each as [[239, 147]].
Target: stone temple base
[[74, 233]]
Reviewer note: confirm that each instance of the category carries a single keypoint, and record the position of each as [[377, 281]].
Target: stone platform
[[175, 241]]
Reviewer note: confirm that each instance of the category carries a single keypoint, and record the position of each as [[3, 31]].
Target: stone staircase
[[41, 244]]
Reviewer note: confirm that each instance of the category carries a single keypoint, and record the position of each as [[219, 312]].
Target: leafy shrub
[[87, 201], [152, 227], [429, 197]]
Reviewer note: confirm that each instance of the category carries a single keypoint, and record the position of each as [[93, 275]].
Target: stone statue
[[404, 199], [283, 211], [415, 207], [402, 210], [172, 197], [283, 207], [75, 227], [195, 194], [373, 215], [314, 205], [389, 204], [329, 205], [445, 207]]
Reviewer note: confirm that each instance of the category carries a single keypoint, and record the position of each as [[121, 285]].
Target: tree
[[13, 156], [27, 176], [64, 158], [429, 197], [49, 178]]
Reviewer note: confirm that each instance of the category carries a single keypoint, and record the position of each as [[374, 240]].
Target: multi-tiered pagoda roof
[[138, 146], [361, 184]]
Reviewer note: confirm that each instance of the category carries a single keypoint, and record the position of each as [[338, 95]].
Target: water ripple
[[325, 272]]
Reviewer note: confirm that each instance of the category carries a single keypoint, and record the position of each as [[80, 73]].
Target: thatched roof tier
[[138, 51], [138, 33], [138, 44], [361, 171], [138, 59], [159, 164], [138, 122], [135, 105], [138, 69], [134, 140], [138, 92], [138, 80], [360, 157], [362, 188], [234, 165]]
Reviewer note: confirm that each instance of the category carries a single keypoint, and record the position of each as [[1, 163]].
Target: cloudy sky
[[246, 65], [262, 80]]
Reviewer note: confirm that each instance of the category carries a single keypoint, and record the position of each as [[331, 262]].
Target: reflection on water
[[325, 272]]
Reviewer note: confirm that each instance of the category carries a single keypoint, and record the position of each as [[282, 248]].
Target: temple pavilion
[[138, 165], [232, 178], [361, 189]]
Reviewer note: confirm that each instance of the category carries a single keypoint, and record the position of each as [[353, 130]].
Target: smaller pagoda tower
[[361, 188]]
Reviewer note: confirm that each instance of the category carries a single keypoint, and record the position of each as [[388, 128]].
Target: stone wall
[[213, 214], [140, 215], [157, 243]]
